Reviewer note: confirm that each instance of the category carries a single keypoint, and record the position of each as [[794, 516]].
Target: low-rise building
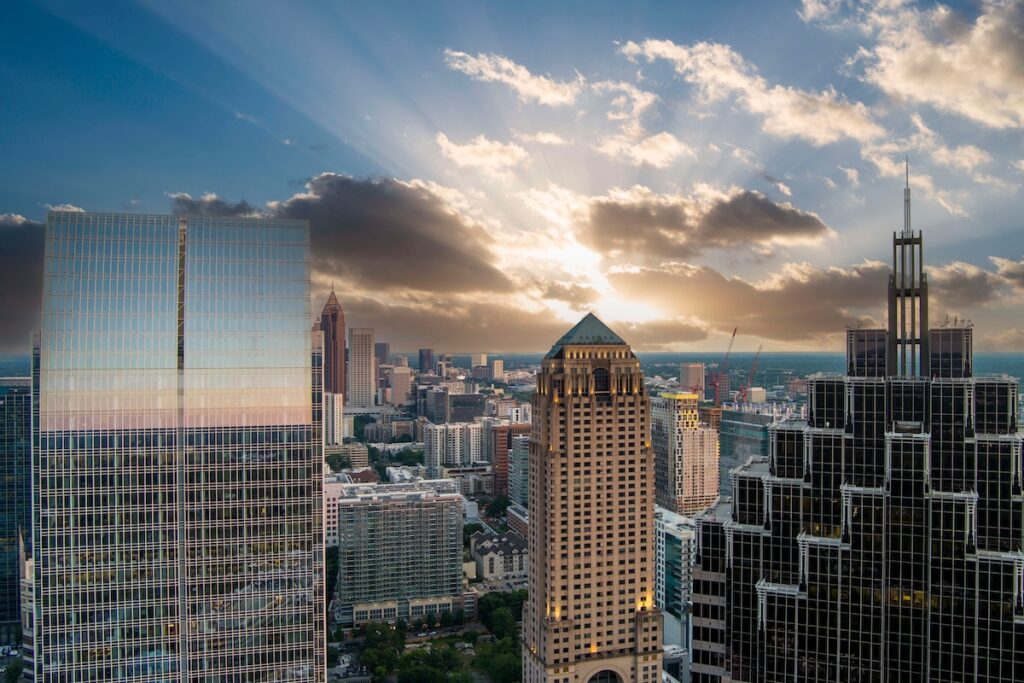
[[499, 557], [473, 480], [518, 520]]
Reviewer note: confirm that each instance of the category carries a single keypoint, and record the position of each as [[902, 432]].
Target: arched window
[[605, 676]]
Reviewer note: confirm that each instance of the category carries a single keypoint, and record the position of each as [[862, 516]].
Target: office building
[[498, 370], [478, 359], [443, 367], [336, 426], [519, 470], [685, 454], [691, 378], [473, 480], [15, 497], [400, 384], [453, 444], [169, 541], [332, 324], [880, 540], [757, 395], [518, 520], [675, 552], [590, 615], [743, 432], [399, 552], [382, 352], [426, 361], [362, 368]]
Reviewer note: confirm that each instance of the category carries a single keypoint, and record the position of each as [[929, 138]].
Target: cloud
[[21, 281], [1010, 340], [571, 292], [529, 87], [63, 207], [248, 118], [209, 204], [960, 284], [963, 157], [542, 138], [640, 223], [393, 235], [830, 184], [852, 175], [818, 10], [798, 303], [778, 184], [719, 72], [744, 156], [1019, 165], [490, 156], [937, 57], [659, 151], [1012, 271]]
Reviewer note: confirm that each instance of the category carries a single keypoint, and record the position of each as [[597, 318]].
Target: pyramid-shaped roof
[[332, 303], [587, 332]]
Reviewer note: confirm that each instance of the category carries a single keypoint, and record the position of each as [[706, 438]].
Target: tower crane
[[723, 368], [742, 396]]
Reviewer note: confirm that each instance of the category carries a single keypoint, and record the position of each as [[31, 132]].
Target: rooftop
[[587, 332]]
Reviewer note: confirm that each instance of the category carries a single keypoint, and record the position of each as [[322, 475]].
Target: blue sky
[[598, 155]]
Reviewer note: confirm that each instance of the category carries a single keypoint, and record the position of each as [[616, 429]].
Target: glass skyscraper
[[15, 493], [881, 537], [177, 531]]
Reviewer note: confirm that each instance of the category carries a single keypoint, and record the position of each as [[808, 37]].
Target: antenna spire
[[906, 198]]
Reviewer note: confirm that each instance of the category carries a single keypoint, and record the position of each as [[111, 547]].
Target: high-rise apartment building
[[452, 444], [519, 470], [400, 383], [332, 324], [880, 540], [685, 454], [426, 361], [691, 378], [675, 550], [178, 466], [498, 435], [498, 370], [362, 368], [15, 496], [399, 551], [590, 616]]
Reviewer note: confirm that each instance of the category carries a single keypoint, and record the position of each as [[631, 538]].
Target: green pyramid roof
[[588, 332]]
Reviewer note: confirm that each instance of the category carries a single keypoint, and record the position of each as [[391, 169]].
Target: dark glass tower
[[880, 539], [332, 324], [15, 496]]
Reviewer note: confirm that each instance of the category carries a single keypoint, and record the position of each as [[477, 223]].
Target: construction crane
[[723, 368], [742, 396]]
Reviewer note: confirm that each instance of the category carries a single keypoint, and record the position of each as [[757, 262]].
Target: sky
[[478, 176]]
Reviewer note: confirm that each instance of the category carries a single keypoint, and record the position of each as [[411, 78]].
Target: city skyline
[[666, 168]]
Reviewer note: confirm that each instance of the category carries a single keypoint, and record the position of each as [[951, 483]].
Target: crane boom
[[750, 377], [723, 368]]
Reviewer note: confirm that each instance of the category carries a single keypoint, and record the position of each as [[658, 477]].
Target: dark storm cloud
[[660, 226], [387, 234], [21, 282], [210, 205]]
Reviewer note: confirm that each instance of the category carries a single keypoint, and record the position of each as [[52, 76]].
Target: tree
[[12, 672], [338, 462], [468, 530], [421, 673], [498, 506], [503, 624]]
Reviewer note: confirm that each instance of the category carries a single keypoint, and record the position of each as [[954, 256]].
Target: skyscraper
[[881, 539], [332, 324], [691, 378], [382, 352], [362, 371], [15, 496], [178, 466], [685, 454], [590, 615], [426, 361]]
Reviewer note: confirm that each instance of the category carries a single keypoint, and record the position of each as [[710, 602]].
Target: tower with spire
[[332, 324]]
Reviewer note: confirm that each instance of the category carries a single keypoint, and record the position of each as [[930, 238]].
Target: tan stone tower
[[590, 616]]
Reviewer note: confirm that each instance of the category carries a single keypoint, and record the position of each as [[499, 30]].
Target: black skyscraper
[[881, 538]]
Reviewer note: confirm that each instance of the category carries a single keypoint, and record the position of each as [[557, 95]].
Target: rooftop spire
[[906, 199]]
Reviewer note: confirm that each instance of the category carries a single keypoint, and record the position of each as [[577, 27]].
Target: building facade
[[685, 454], [362, 368], [15, 497], [881, 538], [399, 551], [691, 378], [498, 370], [177, 480], [590, 615], [499, 557], [426, 365], [743, 432], [519, 470], [498, 436], [675, 552], [332, 324], [454, 444]]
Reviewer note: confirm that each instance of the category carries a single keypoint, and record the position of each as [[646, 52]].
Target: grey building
[[400, 551], [519, 470], [176, 522], [741, 434], [15, 496], [881, 538], [426, 361]]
